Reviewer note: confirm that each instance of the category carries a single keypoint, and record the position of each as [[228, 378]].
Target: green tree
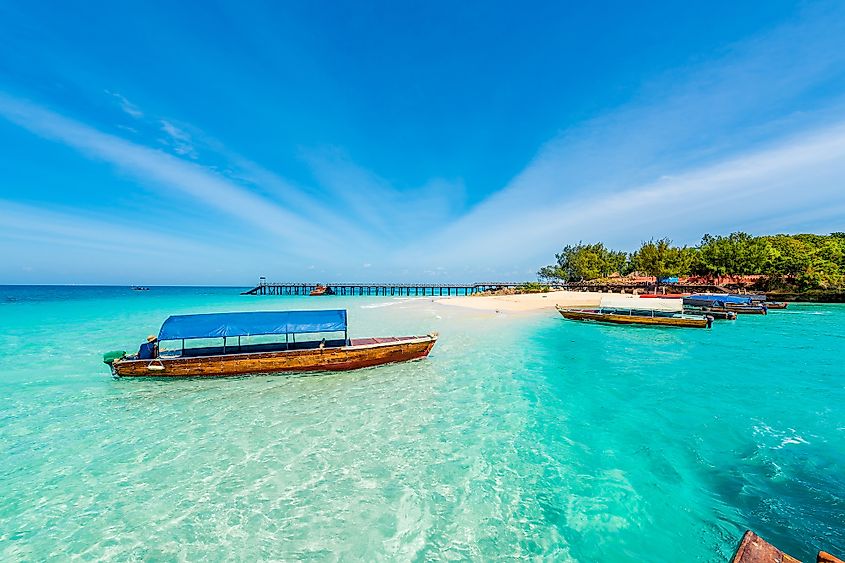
[[801, 261], [661, 259], [736, 254], [581, 261], [787, 256]]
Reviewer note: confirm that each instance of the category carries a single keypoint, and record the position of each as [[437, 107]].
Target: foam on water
[[519, 437]]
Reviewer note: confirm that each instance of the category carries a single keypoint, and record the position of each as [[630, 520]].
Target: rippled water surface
[[520, 436]]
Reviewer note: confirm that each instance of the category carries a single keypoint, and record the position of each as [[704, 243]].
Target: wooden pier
[[447, 290], [380, 289]]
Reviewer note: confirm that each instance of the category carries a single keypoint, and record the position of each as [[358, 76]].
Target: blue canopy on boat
[[218, 325], [717, 298]]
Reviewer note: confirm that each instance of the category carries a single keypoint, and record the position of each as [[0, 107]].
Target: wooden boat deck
[[379, 340], [248, 349], [277, 347]]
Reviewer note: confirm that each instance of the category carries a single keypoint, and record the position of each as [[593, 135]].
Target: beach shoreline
[[534, 302]]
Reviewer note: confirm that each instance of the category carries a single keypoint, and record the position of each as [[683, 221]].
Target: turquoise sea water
[[520, 436]]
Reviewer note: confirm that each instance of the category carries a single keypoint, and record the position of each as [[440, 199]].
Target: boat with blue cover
[[717, 302], [313, 341]]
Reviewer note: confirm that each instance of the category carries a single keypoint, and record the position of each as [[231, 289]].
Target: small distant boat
[[716, 313], [139, 288], [753, 304], [760, 301], [747, 309], [649, 317], [740, 304], [663, 295], [289, 355], [321, 290]]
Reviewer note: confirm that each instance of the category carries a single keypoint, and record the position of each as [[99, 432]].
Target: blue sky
[[215, 142]]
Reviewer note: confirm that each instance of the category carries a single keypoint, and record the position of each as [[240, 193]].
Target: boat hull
[[362, 353], [746, 309], [632, 319], [716, 313]]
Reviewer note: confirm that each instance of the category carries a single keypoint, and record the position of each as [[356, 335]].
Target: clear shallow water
[[520, 436]]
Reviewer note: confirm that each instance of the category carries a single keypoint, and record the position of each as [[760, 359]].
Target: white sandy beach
[[542, 301]]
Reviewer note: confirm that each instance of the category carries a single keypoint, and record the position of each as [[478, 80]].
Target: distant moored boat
[[647, 317], [741, 304], [321, 290]]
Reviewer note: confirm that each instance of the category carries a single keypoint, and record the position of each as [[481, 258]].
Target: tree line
[[801, 261]]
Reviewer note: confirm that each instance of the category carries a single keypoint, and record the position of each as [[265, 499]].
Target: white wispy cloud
[[318, 205], [40, 245], [179, 139], [711, 148], [310, 222], [397, 215], [165, 172], [798, 181], [56, 228], [128, 107]]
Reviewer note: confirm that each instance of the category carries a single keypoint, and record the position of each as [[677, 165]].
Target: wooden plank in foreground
[[825, 557], [754, 549]]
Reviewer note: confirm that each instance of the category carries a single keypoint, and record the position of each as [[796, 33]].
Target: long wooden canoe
[[632, 318], [352, 354]]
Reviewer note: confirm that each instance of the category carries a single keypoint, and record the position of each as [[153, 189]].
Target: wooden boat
[[715, 312], [663, 295], [754, 549], [740, 304], [775, 305], [288, 356], [139, 288], [649, 317], [746, 309]]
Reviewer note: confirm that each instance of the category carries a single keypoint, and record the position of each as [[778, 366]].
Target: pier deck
[[393, 289]]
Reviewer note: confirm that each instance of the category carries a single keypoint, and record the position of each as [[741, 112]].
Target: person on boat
[[149, 349]]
